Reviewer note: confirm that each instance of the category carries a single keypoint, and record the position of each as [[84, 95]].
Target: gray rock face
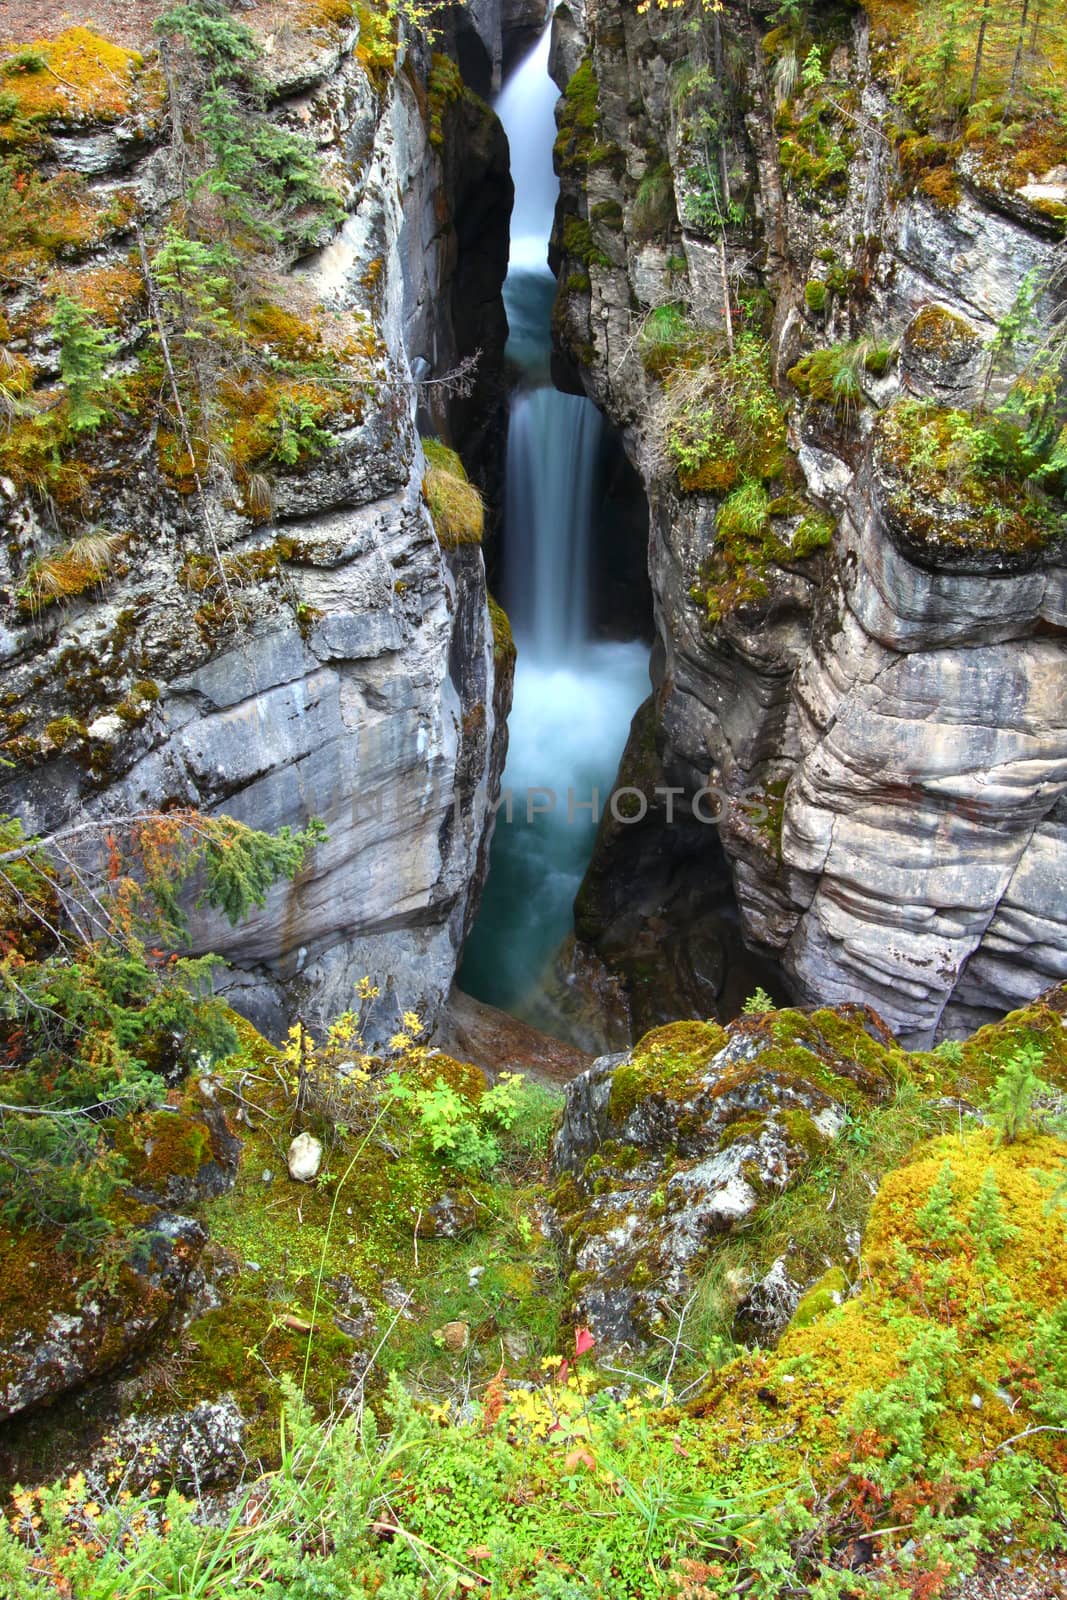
[[360, 684], [885, 722], [191, 1450]]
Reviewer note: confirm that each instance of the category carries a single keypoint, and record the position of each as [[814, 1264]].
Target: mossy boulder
[[65, 1318], [943, 357], [680, 1141], [951, 497], [827, 1292]]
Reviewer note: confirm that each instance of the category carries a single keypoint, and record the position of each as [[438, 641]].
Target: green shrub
[[93, 1014], [1011, 1102], [758, 1002]]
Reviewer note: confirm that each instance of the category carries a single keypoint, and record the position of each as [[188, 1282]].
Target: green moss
[[456, 506], [722, 418], [953, 486], [653, 208], [668, 1062], [162, 1144], [608, 213], [832, 377], [444, 87], [578, 243], [63, 730], [577, 119], [503, 641], [817, 149], [815, 532], [831, 1290], [816, 295]]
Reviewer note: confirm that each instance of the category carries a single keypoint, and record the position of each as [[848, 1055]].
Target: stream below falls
[[574, 693]]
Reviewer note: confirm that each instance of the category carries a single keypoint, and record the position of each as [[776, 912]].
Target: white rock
[[304, 1158]]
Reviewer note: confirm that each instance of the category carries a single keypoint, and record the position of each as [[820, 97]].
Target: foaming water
[[568, 725], [527, 108], [574, 696], [553, 444]]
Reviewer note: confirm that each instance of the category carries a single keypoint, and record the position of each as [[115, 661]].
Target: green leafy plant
[[94, 1015], [465, 1135], [263, 181]]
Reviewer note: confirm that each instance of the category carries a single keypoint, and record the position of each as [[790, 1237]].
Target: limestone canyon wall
[[883, 704], [358, 684]]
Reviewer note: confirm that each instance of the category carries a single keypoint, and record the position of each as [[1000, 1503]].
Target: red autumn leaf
[[583, 1341], [562, 1371], [574, 1458]]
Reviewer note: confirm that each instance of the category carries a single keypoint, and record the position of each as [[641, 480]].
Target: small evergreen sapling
[[84, 354], [1011, 1102]]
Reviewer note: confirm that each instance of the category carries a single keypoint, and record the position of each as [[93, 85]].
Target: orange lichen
[[942, 186], [42, 219], [78, 78]]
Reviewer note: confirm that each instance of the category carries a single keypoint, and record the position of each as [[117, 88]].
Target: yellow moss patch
[[1036, 1259], [456, 506], [806, 1394], [30, 456], [84, 564], [327, 14], [503, 641], [77, 78], [377, 47], [110, 294], [281, 332], [443, 88]]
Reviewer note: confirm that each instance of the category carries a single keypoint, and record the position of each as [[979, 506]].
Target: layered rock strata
[[881, 704], [349, 671]]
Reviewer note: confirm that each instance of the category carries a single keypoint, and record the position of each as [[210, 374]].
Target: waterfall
[[574, 695], [527, 108], [553, 443]]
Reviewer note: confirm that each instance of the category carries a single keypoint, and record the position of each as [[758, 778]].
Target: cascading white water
[[553, 443], [527, 108], [574, 696]]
